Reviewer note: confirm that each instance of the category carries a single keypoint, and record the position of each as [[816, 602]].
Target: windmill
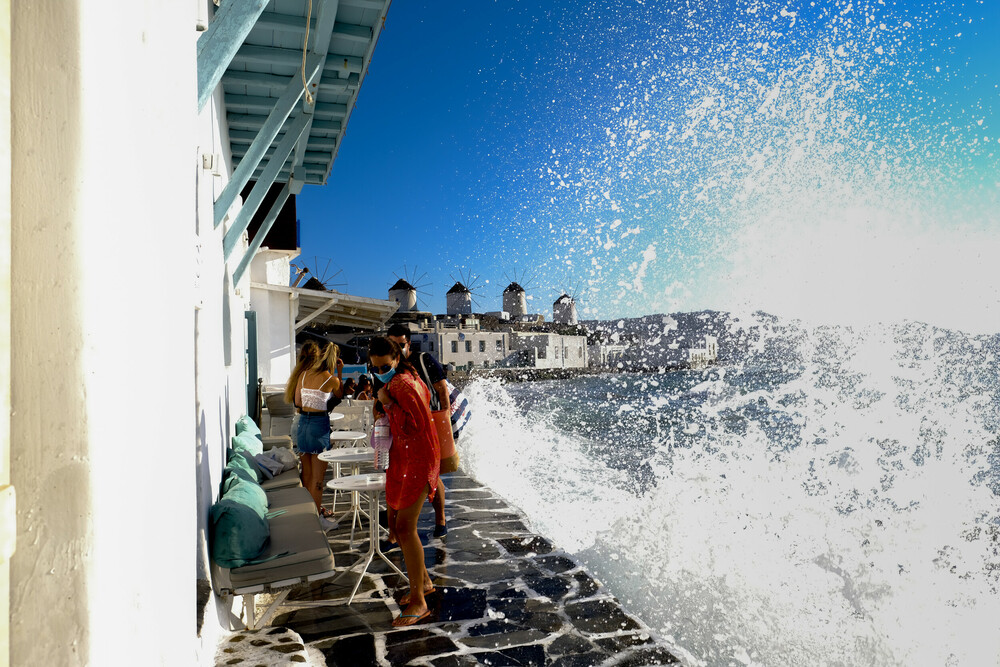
[[463, 294], [409, 289], [564, 307], [319, 274], [514, 295]]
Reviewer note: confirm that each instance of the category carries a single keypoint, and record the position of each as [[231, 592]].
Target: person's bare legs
[[390, 519], [413, 556], [316, 485], [313, 472], [438, 504], [306, 474]]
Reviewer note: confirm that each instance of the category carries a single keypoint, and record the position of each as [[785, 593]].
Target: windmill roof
[[565, 298], [514, 287], [402, 284], [458, 288]]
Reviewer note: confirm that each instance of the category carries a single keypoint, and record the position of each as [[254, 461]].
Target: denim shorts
[[313, 433]]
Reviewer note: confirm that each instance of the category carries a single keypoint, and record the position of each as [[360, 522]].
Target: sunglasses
[[382, 369]]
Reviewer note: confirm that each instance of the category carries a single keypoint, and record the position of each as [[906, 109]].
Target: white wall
[[275, 324], [552, 350], [104, 171], [444, 339]]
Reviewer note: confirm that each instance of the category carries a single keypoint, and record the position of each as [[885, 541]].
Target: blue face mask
[[385, 377]]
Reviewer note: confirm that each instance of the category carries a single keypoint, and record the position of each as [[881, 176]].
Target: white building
[[549, 350], [282, 311], [707, 354], [132, 141], [604, 355], [461, 342]]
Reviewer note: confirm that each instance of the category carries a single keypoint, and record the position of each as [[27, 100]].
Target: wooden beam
[[272, 55], [274, 165], [326, 16], [329, 82], [316, 313], [258, 238], [217, 45], [365, 4], [281, 107], [287, 23]]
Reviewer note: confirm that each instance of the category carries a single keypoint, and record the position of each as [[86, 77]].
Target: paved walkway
[[504, 597]]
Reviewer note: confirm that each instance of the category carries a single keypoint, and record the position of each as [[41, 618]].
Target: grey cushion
[[277, 407], [284, 480], [308, 552], [292, 500], [277, 441]]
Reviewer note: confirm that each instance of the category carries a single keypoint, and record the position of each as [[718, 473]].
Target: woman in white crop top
[[310, 388]]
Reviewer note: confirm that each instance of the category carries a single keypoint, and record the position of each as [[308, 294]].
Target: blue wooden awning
[[278, 133]]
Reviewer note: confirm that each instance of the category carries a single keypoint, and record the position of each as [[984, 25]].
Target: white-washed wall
[[276, 338], [103, 247], [220, 347]]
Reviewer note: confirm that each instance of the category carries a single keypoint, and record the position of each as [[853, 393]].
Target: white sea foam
[[858, 531]]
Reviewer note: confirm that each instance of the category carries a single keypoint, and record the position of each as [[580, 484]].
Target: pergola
[[287, 98], [319, 307]]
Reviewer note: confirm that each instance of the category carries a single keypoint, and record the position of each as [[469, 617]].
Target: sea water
[[834, 503]]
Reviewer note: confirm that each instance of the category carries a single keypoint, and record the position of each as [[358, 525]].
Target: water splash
[[836, 162], [837, 504]]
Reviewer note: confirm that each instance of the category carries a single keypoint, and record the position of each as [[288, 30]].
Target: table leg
[[374, 549]]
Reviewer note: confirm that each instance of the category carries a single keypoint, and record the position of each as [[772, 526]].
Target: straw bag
[[443, 426]]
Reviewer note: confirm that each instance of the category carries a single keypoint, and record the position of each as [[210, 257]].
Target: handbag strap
[[424, 377]]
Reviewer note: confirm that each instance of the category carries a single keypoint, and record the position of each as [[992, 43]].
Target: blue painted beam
[[282, 107], [329, 110], [364, 4], [292, 58], [289, 23], [267, 177], [328, 126], [326, 18], [261, 234], [217, 45], [329, 82]]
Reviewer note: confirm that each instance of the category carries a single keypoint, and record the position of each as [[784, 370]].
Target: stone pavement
[[504, 597]]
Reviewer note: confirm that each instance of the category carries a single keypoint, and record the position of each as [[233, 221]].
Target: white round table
[[372, 484], [353, 456], [336, 417], [347, 436]]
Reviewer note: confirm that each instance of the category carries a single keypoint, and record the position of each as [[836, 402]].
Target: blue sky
[[651, 158]]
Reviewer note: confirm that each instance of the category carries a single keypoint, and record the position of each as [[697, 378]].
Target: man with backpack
[[436, 379]]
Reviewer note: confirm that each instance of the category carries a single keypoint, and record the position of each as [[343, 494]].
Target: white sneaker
[[327, 524]]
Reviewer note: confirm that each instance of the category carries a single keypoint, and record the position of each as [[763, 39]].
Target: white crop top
[[313, 399]]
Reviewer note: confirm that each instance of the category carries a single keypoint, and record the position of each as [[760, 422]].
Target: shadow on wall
[[207, 493]]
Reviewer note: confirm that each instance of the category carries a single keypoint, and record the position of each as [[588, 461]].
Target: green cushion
[[235, 470], [237, 534], [246, 425], [249, 443], [246, 493], [245, 462]]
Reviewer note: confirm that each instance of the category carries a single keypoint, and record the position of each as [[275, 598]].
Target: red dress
[[415, 457]]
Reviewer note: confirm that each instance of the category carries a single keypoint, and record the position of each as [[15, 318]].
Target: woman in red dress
[[414, 463]]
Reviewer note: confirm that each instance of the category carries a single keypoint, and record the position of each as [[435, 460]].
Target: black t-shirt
[[435, 373]]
